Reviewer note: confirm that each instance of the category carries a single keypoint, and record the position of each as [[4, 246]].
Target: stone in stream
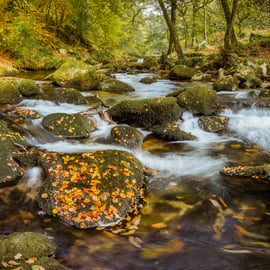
[[213, 123], [115, 86], [248, 178], [10, 143], [127, 136], [99, 188], [9, 92], [146, 112], [198, 99], [76, 74], [226, 83], [68, 125], [28, 250], [69, 95], [181, 72]]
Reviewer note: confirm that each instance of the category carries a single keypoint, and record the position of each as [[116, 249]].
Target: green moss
[[70, 95], [146, 112], [68, 125], [213, 123], [226, 83], [181, 72], [27, 87], [9, 93], [199, 99]]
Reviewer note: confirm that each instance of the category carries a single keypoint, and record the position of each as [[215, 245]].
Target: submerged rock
[[148, 80], [68, 125], [126, 136], [98, 188], [28, 250], [199, 99], [248, 178], [116, 86], [146, 112], [171, 132], [76, 74]]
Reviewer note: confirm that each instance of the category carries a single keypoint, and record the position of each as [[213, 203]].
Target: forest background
[[37, 34]]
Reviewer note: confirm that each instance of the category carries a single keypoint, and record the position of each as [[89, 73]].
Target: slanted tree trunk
[[172, 31]]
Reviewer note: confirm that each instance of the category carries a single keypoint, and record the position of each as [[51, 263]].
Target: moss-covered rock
[[10, 142], [171, 132], [116, 86], [27, 113], [69, 95], [226, 83], [28, 87], [28, 251], [68, 125], [148, 79], [264, 93], [199, 99], [146, 112], [76, 74], [150, 63], [248, 178], [202, 77], [213, 123], [98, 188], [9, 92], [127, 136], [249, 82], [181, 72]]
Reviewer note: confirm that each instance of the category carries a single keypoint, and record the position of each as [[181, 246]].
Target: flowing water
[[191, 220]]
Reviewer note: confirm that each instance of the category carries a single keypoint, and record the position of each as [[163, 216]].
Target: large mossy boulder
[[27, 87], [146, 112], [28, 250], [9, 92], [69, 95], [10, 143], [150, 63], [116, 86], [68, 125], [181, 72], [226, 83], [248, 178], [213, 123], [199, 99], [98, 188], [127, 136], [76, 74], [171, 132]]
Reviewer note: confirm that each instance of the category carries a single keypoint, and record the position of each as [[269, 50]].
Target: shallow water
[[190, 219]]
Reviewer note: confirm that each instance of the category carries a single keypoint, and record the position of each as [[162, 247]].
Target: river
[[191, 220]]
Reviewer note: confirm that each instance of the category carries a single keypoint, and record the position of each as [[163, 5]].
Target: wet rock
[[68, 125], [150, 63], [148, 79], [9, 92], [28, 87], [264, 93], [202, 77], [98, 188], [76, 74], [69, 95], [27, 113], [116, 86], [181, 72], [10, 142], [227, 83], [248, 178], [146, 112], [126, 136], [213, 123], [199, 99], [28, 250], [171, 132], [249, 82]]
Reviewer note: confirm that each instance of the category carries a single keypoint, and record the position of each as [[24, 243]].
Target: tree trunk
[[230, 40], [204, 21], [173, 20], [173, 32]]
